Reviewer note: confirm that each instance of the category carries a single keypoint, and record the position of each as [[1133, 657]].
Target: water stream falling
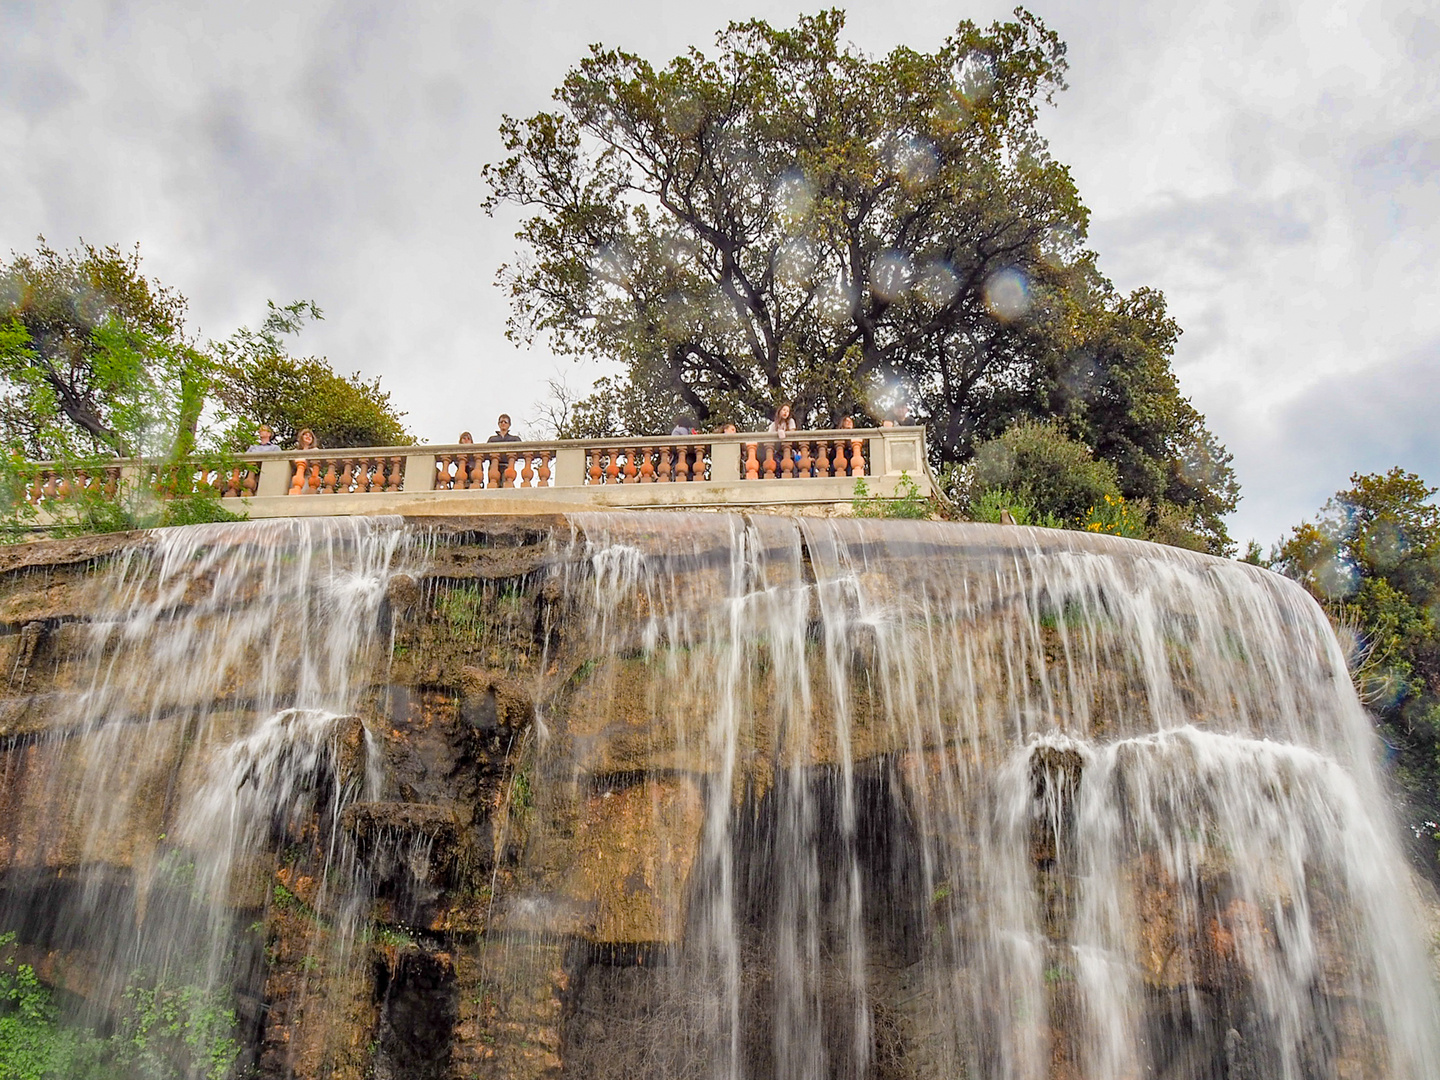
[[218, 721], [801, 798], [1023, 802]]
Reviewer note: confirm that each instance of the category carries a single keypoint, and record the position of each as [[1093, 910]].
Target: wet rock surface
[[510, 861]]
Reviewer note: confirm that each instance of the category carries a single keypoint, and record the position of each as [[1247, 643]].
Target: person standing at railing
[[265, 441], [783, 421], [684, 425], [306, 440], [503, 432]]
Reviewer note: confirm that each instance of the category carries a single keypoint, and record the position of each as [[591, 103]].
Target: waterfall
[[217, 720], [699, 795], [1030, 803]]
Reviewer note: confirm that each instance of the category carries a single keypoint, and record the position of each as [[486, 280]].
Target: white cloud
[[1271, 167]]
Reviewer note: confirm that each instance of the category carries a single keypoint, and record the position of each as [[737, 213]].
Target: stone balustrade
[[743, 468]]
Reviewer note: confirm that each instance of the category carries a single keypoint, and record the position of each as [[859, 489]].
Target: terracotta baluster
[[313, 478], [647, 470], [804, 465], [397, 474], [330, 478], [232, 484], [527, 474], [62, 489], [297, 479], [822, 458], [857, 461], [351, 476], [697, 468], [752, 462], [543, 473], [612, 467], [663, 466], [112, 482], [769, 461], [593, 457], [630, 470], [468, 473], [249, 480]]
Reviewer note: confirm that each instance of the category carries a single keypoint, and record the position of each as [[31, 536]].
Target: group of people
[[265, 440], [783, 421], [305, 438], [502, 432]]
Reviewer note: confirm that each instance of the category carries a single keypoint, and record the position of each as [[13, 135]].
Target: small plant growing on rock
[[907, 502]]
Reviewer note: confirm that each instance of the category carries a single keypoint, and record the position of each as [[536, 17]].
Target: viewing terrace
[[816, 469]]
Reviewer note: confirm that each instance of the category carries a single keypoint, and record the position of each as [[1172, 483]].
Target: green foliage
[[790, 219], [260, 382], [161, 1033], [1372, 559], [995, 501], [93, 357], [1051, 473], [95, 364], [907, 502], [1114, 516], [175, 1032]]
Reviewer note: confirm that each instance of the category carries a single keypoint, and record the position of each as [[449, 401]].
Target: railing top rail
[[720, 438]]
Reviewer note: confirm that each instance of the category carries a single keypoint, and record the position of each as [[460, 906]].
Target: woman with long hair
[[783, 421]]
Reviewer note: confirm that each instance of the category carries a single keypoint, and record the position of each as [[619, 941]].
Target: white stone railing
[[718, 469]]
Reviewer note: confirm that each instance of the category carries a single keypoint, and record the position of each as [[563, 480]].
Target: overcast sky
[[1273, 167]]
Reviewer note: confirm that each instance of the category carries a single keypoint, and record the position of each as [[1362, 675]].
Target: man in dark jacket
[[503, 435]]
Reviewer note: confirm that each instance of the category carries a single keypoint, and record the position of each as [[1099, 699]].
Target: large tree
[[93, 356], [790, 219], [95, 360]]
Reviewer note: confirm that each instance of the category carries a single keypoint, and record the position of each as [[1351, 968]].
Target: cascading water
[[1002, 802], [218, 721], [702, 795]]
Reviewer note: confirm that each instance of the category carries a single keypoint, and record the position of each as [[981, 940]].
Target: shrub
[[906, 503], [994, 500], [1113, 515], [1047, 470]]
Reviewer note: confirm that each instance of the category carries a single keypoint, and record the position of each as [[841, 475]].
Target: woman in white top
[[783, 420]]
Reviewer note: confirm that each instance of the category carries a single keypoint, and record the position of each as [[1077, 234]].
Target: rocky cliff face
[[627, 796]]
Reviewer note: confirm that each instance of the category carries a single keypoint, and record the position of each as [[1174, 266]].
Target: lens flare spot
[[891, 274], [914, 161], [795, 262], [1007, 295], [836, 300], [794, 196], [937, 285], [975, 77]]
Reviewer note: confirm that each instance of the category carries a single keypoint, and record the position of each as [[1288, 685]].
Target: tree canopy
[[93, 356], [1372, 559], [95, 360], [789, 219], [257, 380]]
